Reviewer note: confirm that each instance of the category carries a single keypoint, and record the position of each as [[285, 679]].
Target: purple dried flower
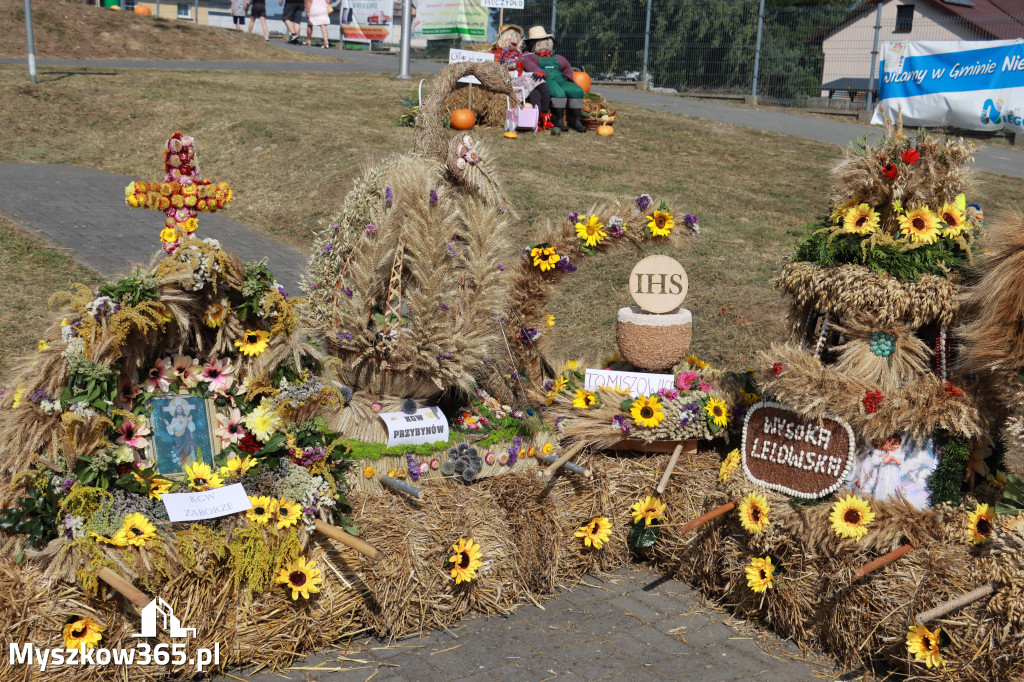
[[38, 395], [433, 197], [335, 226], [281, 291], [347, 291], [328, 248], [522, 254], [501, 268], [413, 466], [643, 201], [513, 450], [690, 221], [501, 209], [573, 217], [370, 228], [527, 334], [345, 335], [389, 195], [451, 250], [623, 423], [444, 306], [66, 484], [313, 286]]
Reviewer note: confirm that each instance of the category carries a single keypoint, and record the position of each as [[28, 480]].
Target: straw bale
[[411, 589], [489, 107]]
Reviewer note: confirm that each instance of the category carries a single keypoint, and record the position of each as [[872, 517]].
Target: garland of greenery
[[946, 482]]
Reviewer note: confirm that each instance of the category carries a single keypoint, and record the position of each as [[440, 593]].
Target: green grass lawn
[[291, 144]]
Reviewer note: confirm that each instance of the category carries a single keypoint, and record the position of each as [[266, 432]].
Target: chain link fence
[[811, 55]]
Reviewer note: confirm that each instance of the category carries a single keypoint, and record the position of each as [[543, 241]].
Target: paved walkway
[[632, 626], [993, 158], [84, 211]]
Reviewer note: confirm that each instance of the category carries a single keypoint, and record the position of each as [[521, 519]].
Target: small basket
[[591, 123]]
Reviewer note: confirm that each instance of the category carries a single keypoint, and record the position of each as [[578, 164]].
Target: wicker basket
[[591, 123]]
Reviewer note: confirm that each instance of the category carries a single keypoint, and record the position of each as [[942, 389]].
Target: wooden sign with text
[[787, 452], [658, 284]]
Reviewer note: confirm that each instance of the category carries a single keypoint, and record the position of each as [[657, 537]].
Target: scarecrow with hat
[[530, 86], [566, 96]]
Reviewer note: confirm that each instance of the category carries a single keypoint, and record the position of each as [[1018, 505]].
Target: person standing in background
[[238, 8], [292, 18], [318, 15], [259, 11]]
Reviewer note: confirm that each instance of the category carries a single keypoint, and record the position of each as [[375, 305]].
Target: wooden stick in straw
[[349, 540], [554, 466], [124, 587], [668, 470], [707, 516], [402, 487], [963, 600], [883, 560]]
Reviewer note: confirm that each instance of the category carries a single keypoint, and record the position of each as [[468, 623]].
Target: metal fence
[[818, 55]]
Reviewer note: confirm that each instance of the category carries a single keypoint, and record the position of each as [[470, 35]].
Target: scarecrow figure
[[566, 96], [530, 86]]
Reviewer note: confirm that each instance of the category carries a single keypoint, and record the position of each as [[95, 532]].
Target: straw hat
[[516, 27], [538, 33]]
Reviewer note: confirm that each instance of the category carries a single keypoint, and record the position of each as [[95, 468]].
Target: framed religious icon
[[183, 432]]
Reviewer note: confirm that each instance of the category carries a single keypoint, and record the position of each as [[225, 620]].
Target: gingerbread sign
[[787, 452]]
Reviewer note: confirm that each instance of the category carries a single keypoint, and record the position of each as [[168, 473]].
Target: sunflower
[[215, 314], [920, 225], [137, 530], [288, 512], [560, 384], [729, 465], [263, 507], [236, 466], [840, 211], [760, 574], [850, 517], [202, 477], [466, 559], [860, 219], [647, 411], [301, 577], [584, 399], [545, 258], [694, 361], [660, 224], [82, 632], [253, 342], [754, 513], [979, 524], [595, 533], [649, 509], [718, 411], [955, 219], [924, 644], [591, 232]]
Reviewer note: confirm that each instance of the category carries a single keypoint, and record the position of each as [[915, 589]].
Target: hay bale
[[488, 106], [411, 589]]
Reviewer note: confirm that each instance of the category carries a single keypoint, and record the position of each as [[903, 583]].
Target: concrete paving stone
[[633, 645], [648, 613], [511, 672], [540, 665], [670, 645], [747, 664], [538, 639], [641, 673], [608, 623], [710, 634], [684, 622], [577, 653], [598, 668], [694, 664]]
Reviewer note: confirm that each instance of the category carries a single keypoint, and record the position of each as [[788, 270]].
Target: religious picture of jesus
[[182, 432]]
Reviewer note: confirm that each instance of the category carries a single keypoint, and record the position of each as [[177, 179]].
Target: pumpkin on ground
[[142, 9], [582, 79], [463, 119], [605, 130]]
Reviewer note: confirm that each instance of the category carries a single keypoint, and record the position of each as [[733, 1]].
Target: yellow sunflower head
[[584, 399], [137, 530], [839, 212], [920, 226], [955, 219], [466, 559], [660, 223], [694, 361], [82, 631], [860, 219], [648, 509], [647, 412], [980, 524], [595, 533], [592, 231], [215, 314], [717, 411], [202, 477], [236, 466], [253, 342], [288, 512], [263, 508], [300, 577], [754, 513], [760, 574], [729, 465], [923, 644], [850, 517], [545, 258]]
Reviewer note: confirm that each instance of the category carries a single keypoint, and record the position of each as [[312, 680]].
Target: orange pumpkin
[[142, 9], [605, 130], [582, 79], [463, 119]]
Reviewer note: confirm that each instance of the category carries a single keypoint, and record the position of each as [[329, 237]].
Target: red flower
[[911, 156], [777, 368], [872, 401], [952, 391], [249, 444], [889, 171]]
